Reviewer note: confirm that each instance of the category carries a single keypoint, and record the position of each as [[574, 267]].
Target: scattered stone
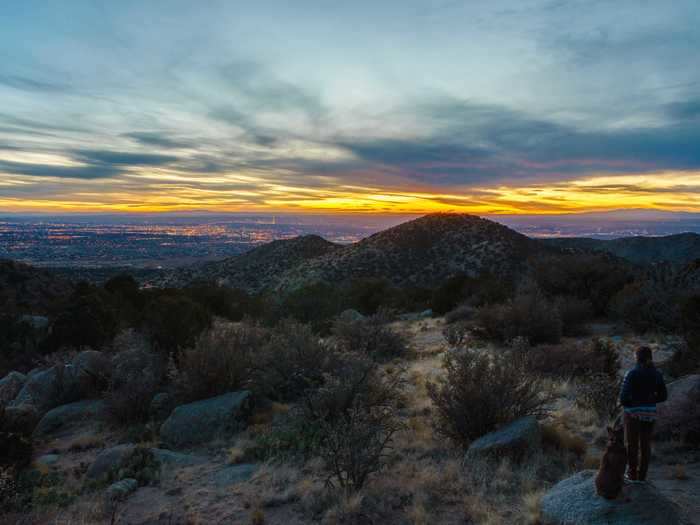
[[234, 474], [351, 315], [41, 390], [46, 461], [120, 490], [92, 370], [514, 440], [108, 460], [161, 406], [10, 386], [202, 421], [21, 419], [69, 416], [574, 501], [169, 457]]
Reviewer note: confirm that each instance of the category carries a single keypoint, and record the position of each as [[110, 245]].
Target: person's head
[[644, 355]]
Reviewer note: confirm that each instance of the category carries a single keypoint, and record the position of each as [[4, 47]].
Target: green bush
[[370, 336], [480, 392], [174, 322], [530, 315], [292, 360], [221, 361]]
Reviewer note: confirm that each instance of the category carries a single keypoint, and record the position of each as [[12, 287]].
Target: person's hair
[[644, 355]]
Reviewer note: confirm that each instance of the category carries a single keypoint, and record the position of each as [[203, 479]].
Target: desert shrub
[[530, 314], [646, 306], [136, 377], [573, 360], [174, 322], [316, 304], [462, 312], [475, 291], [595, 277], [457, 334], [90, 320], [221, 361], [686, 359], [574, 313], [231, 303], [354, 415], [370, 336], [601, 394], [480, 392], [291, 361]]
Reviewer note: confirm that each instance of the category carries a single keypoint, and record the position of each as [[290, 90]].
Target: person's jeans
[[638, 434]]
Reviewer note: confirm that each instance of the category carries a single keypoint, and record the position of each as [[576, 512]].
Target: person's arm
[[625, 390], [661, 392]]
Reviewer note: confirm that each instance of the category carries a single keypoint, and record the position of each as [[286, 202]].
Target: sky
[[512, 106]]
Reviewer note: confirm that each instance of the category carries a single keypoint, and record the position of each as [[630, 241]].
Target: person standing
[[642, 388]]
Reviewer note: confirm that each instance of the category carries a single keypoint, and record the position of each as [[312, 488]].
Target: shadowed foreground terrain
[[474, 386]]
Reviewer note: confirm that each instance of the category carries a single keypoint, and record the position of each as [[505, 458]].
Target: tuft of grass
[[532, 513], [559, 438], [257, 517], [678, 472], [591, 461]]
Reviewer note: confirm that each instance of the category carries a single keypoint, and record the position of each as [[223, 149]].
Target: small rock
[[169, 457], [202, 421], [120, 490], [574, 501], [10, 386], [351, 315], [21, 419], [69, 416], [109, 460], [234, 474], [161, 406], [47, 460], [514, 440]]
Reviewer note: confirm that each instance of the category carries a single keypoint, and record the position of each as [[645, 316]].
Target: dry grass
[[86, 442], [678, 472], [558, 437], [532, 513]]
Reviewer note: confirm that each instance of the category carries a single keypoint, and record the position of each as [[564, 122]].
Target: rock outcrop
[[66, 417], [574, 501], [514, 441], [205, 420], [10, 386]]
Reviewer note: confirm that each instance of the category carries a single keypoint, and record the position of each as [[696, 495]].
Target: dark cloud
[[66, 172], [155, 138], [688, 109], [474, 143], [122, 158]]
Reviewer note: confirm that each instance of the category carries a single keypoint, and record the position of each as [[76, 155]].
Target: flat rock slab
[[234, 474], [67, 417], [203, 421], [514, 441], [574, 501]]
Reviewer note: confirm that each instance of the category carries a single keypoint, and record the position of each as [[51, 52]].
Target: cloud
[[156, 138], [31, 84], [51, 170], [122, 158]]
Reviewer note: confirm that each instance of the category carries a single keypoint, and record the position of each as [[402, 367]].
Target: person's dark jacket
[[643, 385]]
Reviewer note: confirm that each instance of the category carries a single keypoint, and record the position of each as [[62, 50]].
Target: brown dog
[[611, 474]]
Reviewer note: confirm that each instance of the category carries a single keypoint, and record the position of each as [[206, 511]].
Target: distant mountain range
[[421, 252], [681, 248]]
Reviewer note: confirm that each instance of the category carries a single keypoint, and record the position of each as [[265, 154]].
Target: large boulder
[[678, 392], [21, 419], [574, 501], [514, 441], [205, 420], [135, 363], [161, 406], [42, 390], [120, 490], [92, 370], [68, 417], [10, 386]]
